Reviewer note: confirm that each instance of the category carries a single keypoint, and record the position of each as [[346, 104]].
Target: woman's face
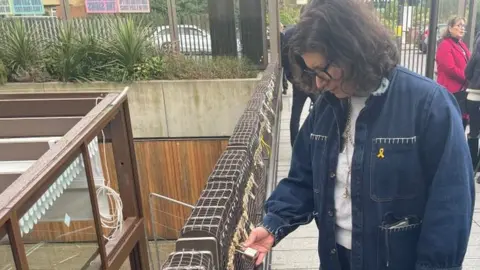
[[328, 76], [458, 29]]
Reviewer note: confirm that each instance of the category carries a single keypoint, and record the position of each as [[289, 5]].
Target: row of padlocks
[[232, 202]]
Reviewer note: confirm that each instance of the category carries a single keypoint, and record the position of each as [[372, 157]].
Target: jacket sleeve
[[291, 203], [449, 208], [446, 62]]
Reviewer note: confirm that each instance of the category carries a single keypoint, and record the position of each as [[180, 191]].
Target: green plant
[[289, 15], [127, 45], [69, 54], [178, 67], [150, 69], [3, 73], [21, 52]]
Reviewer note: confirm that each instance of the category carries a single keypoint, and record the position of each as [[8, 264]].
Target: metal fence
[[193, 30], [232, 201], [408, 22]]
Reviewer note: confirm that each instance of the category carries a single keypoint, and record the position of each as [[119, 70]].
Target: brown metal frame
[[93, 112]]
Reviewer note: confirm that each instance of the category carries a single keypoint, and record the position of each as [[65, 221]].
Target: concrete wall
[[184, 108]]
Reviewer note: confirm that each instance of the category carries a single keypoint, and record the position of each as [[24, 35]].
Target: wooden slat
[[6, 180], [36, 126], [22, 151], [46, 107], [177, 169], [116, 249], [61, 95]]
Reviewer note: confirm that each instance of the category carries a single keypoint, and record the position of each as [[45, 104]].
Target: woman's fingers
[[260, 257], [251, 239]]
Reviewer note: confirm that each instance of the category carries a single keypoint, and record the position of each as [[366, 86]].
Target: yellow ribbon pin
[[380, 153]]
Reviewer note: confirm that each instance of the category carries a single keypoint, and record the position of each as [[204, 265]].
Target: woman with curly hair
[[381, 163]]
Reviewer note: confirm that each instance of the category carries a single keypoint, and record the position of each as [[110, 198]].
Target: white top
[[473, 94], [343, 206]]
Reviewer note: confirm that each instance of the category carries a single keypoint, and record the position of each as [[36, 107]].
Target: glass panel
[[6, 256], [58, 230]]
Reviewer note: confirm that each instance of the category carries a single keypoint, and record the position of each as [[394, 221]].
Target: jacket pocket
[[394, 169], [319, 145], [397, 247]]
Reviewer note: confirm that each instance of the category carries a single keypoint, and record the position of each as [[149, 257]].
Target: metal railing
[[232, 202]]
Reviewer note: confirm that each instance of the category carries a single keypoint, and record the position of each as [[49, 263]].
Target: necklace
[[348, 140]]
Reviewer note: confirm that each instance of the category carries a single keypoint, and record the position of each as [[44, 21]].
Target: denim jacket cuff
[[272, 223], [424, 267]]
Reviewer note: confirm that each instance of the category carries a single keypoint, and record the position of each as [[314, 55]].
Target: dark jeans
[[344, 256], [461, 97], [299, 98]]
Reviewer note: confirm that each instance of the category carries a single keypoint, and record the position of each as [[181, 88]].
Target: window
[[53, 12]]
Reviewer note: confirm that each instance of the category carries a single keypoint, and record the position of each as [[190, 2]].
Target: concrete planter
[[183, 108]]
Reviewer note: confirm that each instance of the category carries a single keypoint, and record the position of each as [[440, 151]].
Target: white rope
[[113, 220]]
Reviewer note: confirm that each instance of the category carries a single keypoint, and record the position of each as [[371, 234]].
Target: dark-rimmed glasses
[[322, 74]]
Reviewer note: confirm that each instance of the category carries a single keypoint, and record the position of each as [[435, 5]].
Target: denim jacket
[[424, 175]]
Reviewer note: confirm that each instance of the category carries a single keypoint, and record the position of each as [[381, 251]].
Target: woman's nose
[[320, 83]]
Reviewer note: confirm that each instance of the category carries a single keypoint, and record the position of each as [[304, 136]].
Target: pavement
[[299, 249]]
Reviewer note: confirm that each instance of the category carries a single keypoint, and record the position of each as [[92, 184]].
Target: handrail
[[26, 187], [111, 112]]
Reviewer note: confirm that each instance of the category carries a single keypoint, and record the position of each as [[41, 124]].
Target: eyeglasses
[[322, 74]]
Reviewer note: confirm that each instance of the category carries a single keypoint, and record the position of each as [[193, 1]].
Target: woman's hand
[[262, 241]]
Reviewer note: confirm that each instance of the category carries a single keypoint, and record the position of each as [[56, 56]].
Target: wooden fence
[[177, 169]]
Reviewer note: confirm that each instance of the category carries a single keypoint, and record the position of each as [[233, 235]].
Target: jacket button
[[332, 175], [330, 213], [333, 251]]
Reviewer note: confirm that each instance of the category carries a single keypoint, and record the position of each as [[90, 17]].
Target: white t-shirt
[[343, 206]]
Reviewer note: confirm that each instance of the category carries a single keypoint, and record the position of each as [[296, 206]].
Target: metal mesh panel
[[215, 213], [232, 201], [189, 260]]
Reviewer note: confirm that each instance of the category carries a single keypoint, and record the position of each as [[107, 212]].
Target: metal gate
[[408, 21]]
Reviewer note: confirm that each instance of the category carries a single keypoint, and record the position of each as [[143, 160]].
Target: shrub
[[3, 73], [127, 45], [152, 68], [121, 51], [72, 54], [178, 67], [290, 15], [21, 52]]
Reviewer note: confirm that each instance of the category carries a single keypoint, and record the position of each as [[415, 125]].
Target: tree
[[184, 7]]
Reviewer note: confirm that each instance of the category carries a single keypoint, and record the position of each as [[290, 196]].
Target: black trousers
[[473, 109], [344, 256], [299, 98], [461, 97]]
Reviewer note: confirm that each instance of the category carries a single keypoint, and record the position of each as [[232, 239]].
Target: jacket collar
[[380, 91]]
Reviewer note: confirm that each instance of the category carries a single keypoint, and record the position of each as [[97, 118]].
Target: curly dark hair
[[349, 34]]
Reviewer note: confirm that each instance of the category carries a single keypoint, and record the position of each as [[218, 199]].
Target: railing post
[[432, 37], [128, 180], [16, 243], [94, 202]]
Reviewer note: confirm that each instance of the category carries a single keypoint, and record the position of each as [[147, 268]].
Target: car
[[192, 39], [422, 39]]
